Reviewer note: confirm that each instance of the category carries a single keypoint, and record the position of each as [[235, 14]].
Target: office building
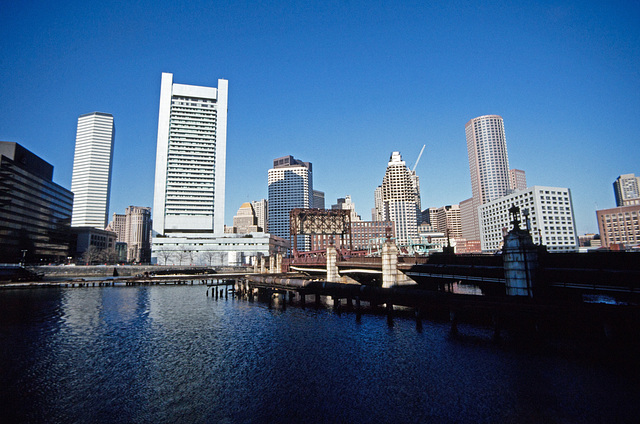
[[620, 226], [376, 212], [488, 167], [189, 194], [318, 199], [92, 163], [400, 200], [35, 212], [245, 221], [290, 186], [550, 218], [345, 203], [627, 190], [447, 220], [517, 180], [133, 229], [261, 209]]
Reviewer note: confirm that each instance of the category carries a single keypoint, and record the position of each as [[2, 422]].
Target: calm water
[[174, 355]]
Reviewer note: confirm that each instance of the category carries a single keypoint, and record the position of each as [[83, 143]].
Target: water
[[172, 354]]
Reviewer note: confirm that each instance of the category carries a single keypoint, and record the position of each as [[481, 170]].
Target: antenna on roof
[[419, 156]]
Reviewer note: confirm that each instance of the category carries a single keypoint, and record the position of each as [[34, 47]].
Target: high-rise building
[[290, 186], [92, 163], [318, 199], [346, 203], [245, 220], [261, 209], [619, 226], [189, 193], [133, 229], [35, 212], [627, 190], [399, 199], [376, 212], [488, 166], [517, 180], [446, 219], [137, 233], [550, 218]]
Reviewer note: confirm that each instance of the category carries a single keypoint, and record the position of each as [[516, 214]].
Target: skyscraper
[[290, 186], [400, 200], [488, 166], [92, 163], [189, 190], [627, 190], [261, 210]]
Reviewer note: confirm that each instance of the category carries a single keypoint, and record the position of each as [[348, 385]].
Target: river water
[[173, 355]]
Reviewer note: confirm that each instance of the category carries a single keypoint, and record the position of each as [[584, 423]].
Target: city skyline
[[313, 88]]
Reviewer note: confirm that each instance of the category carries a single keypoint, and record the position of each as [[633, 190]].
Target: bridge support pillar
[[332, 265], [279, 263], [263, 264], [520, 259], [272, 264], [389, 264]]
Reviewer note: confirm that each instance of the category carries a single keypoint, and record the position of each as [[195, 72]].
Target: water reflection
[[171, 354]]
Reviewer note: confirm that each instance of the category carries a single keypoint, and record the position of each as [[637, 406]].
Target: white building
[[189, 192], [400, 200], [92, 163], [290, 186], [551, 219], [222, 250], [488, 167]]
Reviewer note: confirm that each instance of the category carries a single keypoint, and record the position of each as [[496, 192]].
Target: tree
[[164, 255], [208, 256], [91, 255], [182, 254]]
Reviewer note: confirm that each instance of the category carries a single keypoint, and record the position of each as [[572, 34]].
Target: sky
[[341, 84]]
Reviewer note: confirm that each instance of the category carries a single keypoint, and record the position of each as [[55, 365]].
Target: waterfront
[[172, 354]]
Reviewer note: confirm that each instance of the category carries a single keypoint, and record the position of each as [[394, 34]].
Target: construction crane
[[419, 156]]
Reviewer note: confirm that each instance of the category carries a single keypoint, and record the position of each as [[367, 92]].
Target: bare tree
[[209, 256], [91, 255], [108, 256], [182, 254], [164, 255]]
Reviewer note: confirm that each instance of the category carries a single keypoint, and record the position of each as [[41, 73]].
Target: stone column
[[263, 261], [332, 265], [279, 263], [272, 264], [389, 264]]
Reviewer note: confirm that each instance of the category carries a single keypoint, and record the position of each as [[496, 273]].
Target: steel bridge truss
[[319, 222]]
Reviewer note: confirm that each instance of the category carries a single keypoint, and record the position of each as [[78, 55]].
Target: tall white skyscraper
[[488, 160], [92, 163], [189, 193], [290, 187], [400, 201], [488, 166]]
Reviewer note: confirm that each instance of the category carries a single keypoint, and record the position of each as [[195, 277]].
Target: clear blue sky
[[341, 84]]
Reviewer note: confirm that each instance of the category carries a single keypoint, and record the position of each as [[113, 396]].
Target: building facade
[[189, 192], [371, 235], [261, 209], [138, 233], [447, 219], [318, 199], [92, 164], [550, 219], [488, 167], [619, 226], [290, 186], [35, 212], [400, 200], [517, 180], [627, 190]]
